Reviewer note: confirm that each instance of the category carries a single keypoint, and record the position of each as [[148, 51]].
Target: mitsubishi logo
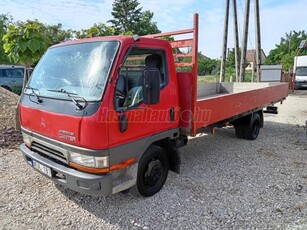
[[43, 123]]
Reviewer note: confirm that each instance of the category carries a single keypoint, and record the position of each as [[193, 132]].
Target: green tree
[[145, 25], [56, 34], [230, 71], [25, 42], [128, 18], [126, 13], [287, 49], [5, 21], [231, 60], [206, 65], [96, 30]]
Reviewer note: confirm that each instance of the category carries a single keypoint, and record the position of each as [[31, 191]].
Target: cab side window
[[129, 85]]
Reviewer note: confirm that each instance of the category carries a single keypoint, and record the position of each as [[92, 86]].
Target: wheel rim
[[153, 172]]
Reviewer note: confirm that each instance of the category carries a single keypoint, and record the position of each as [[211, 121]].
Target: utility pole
[[236, 37], [225, 38], [244, 41], [290, 41], [258, 40], [240, 60]]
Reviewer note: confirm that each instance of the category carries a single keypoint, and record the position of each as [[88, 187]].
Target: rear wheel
[[152, 171], [239, 129], [252, 130]]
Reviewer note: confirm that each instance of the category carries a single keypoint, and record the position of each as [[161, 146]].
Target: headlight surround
[[89, 161], [26, 139]]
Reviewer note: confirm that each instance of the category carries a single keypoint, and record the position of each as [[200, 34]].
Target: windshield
[[81, 69], [301, 71]]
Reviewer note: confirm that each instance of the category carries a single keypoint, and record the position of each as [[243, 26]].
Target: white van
[[300, 70]]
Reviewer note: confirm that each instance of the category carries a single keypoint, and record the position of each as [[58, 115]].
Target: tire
[[239, 129], [152, 171], [251, 131]]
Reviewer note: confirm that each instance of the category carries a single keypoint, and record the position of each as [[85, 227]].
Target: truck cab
[[84, 109]]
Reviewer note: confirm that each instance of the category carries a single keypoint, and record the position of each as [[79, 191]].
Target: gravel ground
[[8, 102], [226, 183]]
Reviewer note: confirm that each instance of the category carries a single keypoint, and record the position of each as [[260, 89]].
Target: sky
[[277, 17]]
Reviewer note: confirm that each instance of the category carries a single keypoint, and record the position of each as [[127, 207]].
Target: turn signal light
[[118, 166]]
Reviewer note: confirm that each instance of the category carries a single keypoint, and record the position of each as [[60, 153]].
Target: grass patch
[[208, 79]]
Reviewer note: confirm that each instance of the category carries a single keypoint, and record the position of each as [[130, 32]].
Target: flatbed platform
[[219, 102], [213, 90]]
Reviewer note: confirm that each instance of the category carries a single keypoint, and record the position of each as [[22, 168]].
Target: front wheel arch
[[152, 171]]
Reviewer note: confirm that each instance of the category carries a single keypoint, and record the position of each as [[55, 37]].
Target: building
[[251, 59]]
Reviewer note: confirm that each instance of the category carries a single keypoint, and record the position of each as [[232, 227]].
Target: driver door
[[133, 120]]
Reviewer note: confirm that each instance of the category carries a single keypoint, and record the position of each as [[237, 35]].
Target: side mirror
[[151, 86], [120, 94]]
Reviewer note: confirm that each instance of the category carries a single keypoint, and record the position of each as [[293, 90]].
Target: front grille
[[49, 152]]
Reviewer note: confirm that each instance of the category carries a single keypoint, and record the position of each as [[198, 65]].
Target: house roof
[[251, 55]]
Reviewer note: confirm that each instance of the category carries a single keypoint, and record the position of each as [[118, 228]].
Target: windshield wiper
[[72, 96], [39, 100]]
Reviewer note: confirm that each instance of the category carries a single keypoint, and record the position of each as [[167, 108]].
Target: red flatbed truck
[[104, 114]]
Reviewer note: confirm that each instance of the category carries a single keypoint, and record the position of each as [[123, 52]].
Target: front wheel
[[152, 171]]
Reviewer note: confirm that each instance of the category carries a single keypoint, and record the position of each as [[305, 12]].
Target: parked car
[[11, 77]]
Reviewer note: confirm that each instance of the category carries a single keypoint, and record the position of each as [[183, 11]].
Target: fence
[[290, 79]]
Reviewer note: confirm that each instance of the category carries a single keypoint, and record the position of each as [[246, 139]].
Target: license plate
[[42, 168]]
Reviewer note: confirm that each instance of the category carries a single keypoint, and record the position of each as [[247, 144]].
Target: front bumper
[[82, 182], [300, 84]]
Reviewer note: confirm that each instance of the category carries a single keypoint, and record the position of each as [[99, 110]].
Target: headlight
[[89, 161]]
